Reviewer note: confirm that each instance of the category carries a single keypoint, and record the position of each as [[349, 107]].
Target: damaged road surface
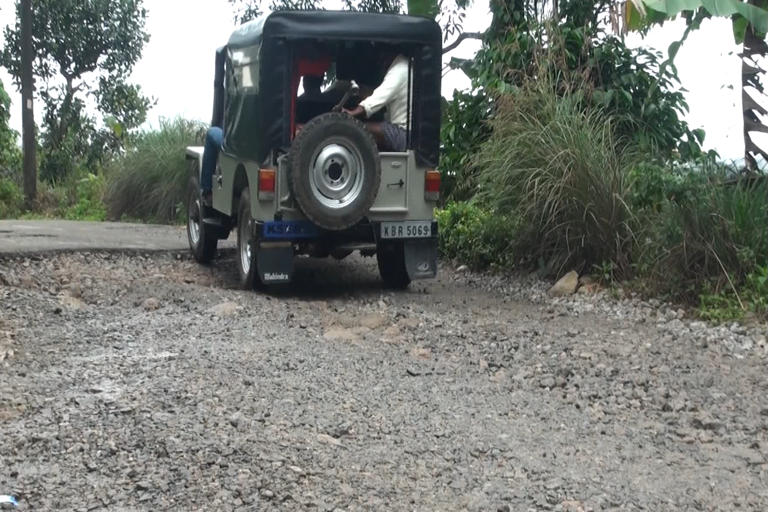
[[151, 383]]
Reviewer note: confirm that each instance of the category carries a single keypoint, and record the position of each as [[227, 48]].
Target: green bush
[[11, 199], [557, 188], [712, 233], [90, 201], [150, 180], [475, 236], [750, 298], [464, 128], [563, 172]]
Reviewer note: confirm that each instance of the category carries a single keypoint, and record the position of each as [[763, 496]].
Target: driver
[[391, 135]]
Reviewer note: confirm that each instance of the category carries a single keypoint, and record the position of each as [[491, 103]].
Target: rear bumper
[[305, 231], [278, 241]]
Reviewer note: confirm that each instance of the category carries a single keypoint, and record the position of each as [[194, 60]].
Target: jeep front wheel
[[202, 241]]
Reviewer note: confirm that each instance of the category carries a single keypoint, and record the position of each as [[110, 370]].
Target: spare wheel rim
[[336, 176]]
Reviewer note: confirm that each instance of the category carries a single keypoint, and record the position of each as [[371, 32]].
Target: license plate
[[412, 229]]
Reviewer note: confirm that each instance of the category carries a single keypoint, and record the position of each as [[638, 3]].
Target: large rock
[[566, 285]]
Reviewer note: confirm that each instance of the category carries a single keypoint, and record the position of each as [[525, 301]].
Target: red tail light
[[432, 185], [266, 184]]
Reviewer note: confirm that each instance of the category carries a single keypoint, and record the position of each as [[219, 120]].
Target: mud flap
[[274, 262], [421, 258]]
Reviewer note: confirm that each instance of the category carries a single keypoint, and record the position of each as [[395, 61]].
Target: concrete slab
[[34, 236]]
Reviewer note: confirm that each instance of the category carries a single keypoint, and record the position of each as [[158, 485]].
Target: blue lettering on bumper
[[290, 229]]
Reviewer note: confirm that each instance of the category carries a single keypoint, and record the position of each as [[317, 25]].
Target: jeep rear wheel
[[334, 171], [202, 241], [391, 259], [246, 245]]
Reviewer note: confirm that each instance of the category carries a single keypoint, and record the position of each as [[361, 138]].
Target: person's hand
[[355, 112]]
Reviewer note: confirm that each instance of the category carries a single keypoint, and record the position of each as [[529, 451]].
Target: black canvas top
[[348, 25], [256, 107]]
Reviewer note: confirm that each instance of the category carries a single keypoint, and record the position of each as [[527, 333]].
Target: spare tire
[[334, 171]]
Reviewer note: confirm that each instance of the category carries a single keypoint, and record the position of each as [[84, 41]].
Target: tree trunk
[[27, 113], [751, 76]]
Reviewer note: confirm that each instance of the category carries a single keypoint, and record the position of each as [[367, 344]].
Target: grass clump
[[720, 304], [561, 170], [150, 180], [711, 240]]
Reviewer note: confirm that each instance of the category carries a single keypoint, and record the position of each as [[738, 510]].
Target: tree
[[83, 48], [528, 39], [9, 152], [750, 25]]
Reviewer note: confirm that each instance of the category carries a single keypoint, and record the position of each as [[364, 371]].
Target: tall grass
[[562, 170], [150, 180], [713, 236]]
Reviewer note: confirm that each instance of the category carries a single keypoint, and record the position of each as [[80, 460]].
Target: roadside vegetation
[[570, 151]]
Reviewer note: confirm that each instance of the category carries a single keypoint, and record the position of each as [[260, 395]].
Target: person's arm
[[395, 79]]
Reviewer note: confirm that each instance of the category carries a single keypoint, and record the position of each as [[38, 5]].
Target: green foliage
[[632, 86], [719, 8], [11, 199], [635, 86], [76, 37], [653, 186], [427, 8], [246, 10], [77, 197], [709, 230], [89, 204], [751, 298], [475, 236], [151, 179], [564, 172], [77, 43], [10, 155], [123, 106], [464, 128]]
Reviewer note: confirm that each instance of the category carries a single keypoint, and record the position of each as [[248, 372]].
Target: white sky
[[177, 66]]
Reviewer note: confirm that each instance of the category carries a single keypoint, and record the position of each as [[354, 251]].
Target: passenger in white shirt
[[391, 135]]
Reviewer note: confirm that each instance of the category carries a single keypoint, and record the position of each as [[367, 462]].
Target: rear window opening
[[323, 71]]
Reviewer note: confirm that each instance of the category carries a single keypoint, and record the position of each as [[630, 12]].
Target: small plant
[[11, 199], [475, 236], [725, 304], [90, 204]]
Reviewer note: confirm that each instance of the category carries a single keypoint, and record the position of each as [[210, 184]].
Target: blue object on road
[[8, 502]]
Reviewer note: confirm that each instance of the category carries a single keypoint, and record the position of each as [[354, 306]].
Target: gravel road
[[151, 383]]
